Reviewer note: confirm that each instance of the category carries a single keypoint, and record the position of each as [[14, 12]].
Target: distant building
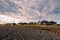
[[39, 22]]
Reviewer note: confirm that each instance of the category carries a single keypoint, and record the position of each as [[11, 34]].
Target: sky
[[29, 10]]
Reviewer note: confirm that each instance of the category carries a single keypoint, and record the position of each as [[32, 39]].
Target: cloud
[[8, 6], [31, 10]]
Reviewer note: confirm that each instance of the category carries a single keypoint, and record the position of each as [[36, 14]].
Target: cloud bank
[[30, 10]]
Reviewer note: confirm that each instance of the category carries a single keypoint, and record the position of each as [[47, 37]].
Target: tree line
[[43, 22]]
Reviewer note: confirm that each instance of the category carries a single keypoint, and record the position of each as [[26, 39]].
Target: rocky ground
[[28, 33]]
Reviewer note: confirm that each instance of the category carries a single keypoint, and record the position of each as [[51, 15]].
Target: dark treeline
[[47, 22], [43, 22]]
